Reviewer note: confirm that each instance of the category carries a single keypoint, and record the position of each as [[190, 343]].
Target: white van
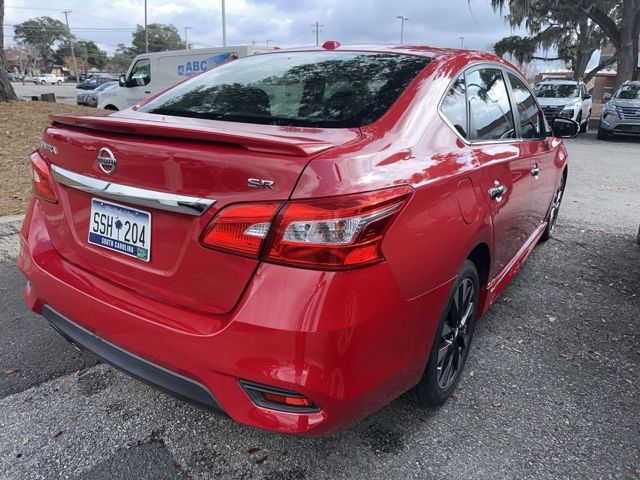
[[152, 72]]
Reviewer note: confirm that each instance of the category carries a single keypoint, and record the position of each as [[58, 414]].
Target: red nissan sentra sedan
[[295, 238]]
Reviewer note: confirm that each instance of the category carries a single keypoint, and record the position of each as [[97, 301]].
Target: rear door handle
[[497, 192], [148, 92]]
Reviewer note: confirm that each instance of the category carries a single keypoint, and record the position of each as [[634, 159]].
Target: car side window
[[531, 122], [490, 115], [141, 73], [454, 106]]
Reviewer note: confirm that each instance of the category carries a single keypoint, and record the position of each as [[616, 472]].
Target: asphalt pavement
[[550, 391]]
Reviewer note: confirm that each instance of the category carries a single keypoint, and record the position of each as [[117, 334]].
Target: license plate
[[122, 229]]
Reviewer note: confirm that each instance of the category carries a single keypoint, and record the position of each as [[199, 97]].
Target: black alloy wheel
[[554, 210], [452, 340]]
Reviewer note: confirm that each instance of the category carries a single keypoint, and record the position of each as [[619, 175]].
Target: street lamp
[[402, 20], [461, 42], [186, 38]]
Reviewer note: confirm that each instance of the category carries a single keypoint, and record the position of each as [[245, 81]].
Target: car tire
[[59, 82], [554, 210], [452, 340], [42, 82], [603, 133]]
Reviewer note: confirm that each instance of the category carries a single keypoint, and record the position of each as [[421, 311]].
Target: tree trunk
[[627, 51], [6, 90]]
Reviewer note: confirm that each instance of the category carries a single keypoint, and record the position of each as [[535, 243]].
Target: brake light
[[240, 228], [41, 179], [329, 233], [338, 232]]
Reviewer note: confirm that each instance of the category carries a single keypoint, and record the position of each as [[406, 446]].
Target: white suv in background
[[565, 98]]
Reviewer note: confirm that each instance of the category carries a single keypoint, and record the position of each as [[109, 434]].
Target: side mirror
[[122, 81], [564, 127], [606, 96], [586, 96]]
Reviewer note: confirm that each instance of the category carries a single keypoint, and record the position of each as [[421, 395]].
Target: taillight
[[329, 233], [240, 228], [42, 181], [337, 232]]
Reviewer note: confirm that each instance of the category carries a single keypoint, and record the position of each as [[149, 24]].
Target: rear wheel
[[452, 340], [554, 210], [42, 82]]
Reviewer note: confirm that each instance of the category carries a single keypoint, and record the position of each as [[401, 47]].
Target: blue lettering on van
[[193, 67]]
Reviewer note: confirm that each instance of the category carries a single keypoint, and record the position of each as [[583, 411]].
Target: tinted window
[[454, 106], [530, 116], [316, 89], [489, 109]]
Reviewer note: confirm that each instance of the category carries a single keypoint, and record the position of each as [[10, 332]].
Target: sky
[[282, 22]]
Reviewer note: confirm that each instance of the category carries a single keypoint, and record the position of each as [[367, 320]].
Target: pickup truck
[[47, 78]]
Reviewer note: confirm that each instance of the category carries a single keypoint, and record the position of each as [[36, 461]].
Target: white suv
[[565, 98]]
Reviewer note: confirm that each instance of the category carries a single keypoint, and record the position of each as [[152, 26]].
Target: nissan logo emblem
[[107, 161]]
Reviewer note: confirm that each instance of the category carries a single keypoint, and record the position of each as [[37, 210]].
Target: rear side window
[[531, 123], [454, 106], [489, 108], [313, 89]]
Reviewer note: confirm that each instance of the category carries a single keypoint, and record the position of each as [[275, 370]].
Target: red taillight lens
[[337, 232], [240, 228], [42, 182]]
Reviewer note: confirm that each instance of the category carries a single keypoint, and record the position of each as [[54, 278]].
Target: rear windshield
[[309, 89]]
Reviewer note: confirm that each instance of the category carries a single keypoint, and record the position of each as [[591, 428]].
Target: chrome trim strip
[[134, 195]]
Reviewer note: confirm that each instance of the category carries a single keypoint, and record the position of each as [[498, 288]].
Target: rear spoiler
[[254, 141]]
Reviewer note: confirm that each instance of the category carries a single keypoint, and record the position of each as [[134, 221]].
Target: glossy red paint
[[348, 340]]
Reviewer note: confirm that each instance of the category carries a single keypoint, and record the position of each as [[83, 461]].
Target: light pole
[[461, 42], [146, 30], [224, 26], [73, 53], [316, 28], [186, 38], [402, 20], [268, 42]]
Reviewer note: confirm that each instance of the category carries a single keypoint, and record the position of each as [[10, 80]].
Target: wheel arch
[[481, 258]]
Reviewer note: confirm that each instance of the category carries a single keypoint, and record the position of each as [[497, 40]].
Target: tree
[[87, 52], [549, 24], [620, 21], [161, 38], [590, 22], [6, 90], [41, 33]]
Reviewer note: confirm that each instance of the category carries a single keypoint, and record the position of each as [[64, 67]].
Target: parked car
[[14, 77], [90, 99], [621, 114], [296, 238], [47, 78], [94, 82], [566, 99]]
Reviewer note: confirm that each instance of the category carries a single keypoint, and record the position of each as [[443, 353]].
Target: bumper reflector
[[278, 399]]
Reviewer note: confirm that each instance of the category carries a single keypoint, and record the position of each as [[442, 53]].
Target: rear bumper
[[349, 341], [133, 365]]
